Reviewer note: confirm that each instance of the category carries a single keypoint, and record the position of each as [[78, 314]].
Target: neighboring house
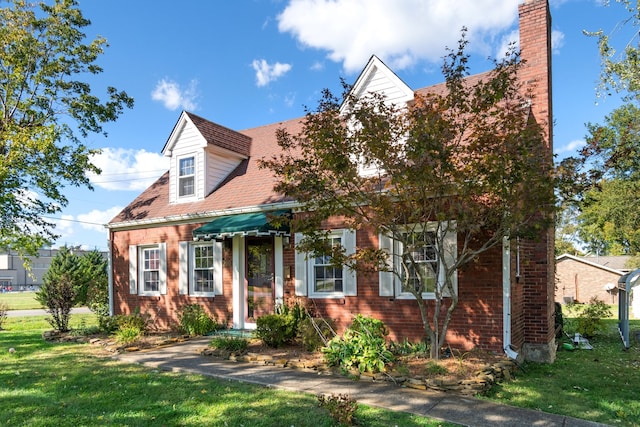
[[201, 235], [14, 275], [578, 279]]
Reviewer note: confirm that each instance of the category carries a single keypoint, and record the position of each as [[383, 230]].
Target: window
[[200, 268], [147, 269], [419, 245], [186, 177], [317, 278], [203, 269], [150, 270], [326, 277], [421, 261]]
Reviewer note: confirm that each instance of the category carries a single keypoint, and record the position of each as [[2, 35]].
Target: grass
[[599, 385], [44, 384], [20, 300]]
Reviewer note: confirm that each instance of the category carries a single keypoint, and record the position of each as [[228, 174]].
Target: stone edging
[[482, 382]]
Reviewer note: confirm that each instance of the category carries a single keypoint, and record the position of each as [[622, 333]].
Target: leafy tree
[[58, 296], [620, 69], [467, 162], [45, 110], [93, 275], [603, 183], [567, 237]]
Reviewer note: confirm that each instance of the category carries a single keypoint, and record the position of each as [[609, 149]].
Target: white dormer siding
[[212, 163], [378, 78]]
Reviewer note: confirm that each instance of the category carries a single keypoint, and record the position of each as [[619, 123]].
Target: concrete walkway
[[185, 357]]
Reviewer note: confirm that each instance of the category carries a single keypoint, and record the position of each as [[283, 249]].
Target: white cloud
[[400, 32], [128, 169], [96, 219], [173, 96], [266, 73], [570, 147], [557, 40]]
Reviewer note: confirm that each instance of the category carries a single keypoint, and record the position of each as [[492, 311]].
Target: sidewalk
[[42, 312], [185, 357]]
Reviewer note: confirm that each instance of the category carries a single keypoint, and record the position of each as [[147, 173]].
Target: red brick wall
[[581, 282], [163, 309]]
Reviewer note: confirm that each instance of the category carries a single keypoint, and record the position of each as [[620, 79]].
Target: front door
[[259, 293]]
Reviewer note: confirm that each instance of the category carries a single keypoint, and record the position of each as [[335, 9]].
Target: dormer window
[[186, 177]]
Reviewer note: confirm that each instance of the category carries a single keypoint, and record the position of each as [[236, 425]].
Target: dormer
[[377, 78], [202, 155]]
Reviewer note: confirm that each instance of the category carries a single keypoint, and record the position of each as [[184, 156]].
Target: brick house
[[201, 235], [581, 278]]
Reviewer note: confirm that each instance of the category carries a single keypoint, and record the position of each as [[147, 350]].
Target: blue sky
[[248, 63]]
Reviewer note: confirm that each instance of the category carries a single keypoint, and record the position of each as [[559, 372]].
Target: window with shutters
[[317, 277], [415, 261]]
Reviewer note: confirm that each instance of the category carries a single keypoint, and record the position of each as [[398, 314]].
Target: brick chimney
[[532, 294]]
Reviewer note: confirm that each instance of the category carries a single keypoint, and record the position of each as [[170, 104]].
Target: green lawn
[[600, 385], [20, 300], [44, 384]]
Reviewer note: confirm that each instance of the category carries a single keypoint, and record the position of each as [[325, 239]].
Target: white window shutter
[[350, 278], [217, 268], [450, 254], [301, 269], [133, 269], [183, 266], [162, 249], [386, 278]]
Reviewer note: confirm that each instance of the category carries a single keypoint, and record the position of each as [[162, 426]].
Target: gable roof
[[213, 134], [613, 264], [377, 77], [247, 188]]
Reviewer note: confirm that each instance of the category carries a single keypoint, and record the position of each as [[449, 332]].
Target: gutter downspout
[[110, 274], [506, 299]]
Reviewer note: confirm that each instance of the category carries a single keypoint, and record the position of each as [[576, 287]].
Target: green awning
[[249, 224]]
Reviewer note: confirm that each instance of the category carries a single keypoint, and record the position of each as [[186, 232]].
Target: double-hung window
[[417, 252], [148, 269], [203, 269], [415, 263], [150, 272], [186, 177], [326, 277], [200, 268], [317, 277]]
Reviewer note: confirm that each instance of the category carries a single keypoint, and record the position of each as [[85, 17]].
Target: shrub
[[228, 343], [194, 320], [315, 333], [588, 321], [58, 295], [276, 330], [362, 346], [340, 406], [131, 326], [128, 334], [3, 313], [407, 348]]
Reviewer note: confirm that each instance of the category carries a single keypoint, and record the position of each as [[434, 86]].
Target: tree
[[620, 70], [603, 183], [93, 270], [57, 295], [45, 112], [468, 162]]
